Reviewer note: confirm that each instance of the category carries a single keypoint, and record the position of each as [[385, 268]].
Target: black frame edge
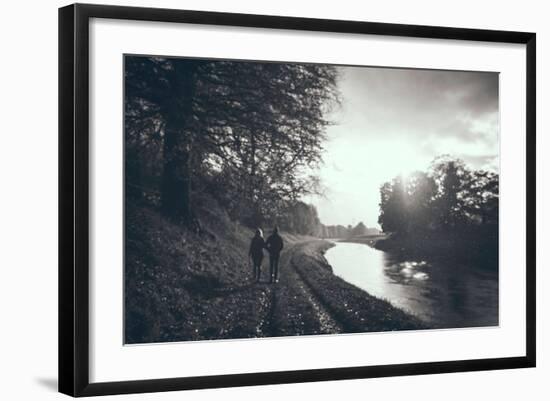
[[73, 242], [66, 306], [301, 376], [301, 23], [73, 192], [81, 198], [531, 201]]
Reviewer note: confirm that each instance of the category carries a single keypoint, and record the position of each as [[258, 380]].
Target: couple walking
[[274, 245]]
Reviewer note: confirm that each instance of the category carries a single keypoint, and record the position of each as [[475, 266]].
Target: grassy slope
[[173, 275], [181, 285]]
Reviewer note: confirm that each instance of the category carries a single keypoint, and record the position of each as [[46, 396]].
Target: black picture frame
[[74, 198]]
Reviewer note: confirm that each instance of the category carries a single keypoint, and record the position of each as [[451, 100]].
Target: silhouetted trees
[[336, 231], [450, 211], [340, 231], [244, 131], [300, 218], [359, 230], [449, 198]]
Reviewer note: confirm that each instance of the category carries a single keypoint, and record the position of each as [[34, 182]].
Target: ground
[[183, 286]]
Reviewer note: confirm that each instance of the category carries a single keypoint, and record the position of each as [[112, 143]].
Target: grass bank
[[357, 310], [181, 284], [187, 285], [174, 278]]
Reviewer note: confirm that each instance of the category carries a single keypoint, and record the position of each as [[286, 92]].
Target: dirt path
[[308, 300], [295, 310]]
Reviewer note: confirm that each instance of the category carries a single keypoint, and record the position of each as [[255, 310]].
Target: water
[[443, 294]]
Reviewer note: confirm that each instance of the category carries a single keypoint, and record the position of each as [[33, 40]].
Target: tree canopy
[[245, 131], [450, 196]]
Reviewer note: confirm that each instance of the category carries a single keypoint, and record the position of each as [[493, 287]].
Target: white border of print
[[110, 360]]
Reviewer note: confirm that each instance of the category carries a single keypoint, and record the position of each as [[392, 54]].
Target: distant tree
[[342, 231], [359, 230], [337, 231], [373, 231], [300, 218]]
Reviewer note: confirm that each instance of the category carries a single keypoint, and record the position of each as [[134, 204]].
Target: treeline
[[243, 133], [449, 204], [340, 231], [302, 218]]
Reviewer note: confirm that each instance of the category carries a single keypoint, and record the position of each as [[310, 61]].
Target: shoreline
[[179, 288], [444, 249], [370, 240], [355, 308]]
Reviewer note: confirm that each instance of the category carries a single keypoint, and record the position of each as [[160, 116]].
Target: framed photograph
[[250, 199]]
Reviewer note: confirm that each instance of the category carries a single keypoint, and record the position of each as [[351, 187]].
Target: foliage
[[340, 231], [449, 197], [451, 211], [301, 218], [245, 131]]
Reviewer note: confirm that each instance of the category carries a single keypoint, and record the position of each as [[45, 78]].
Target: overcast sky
[[396, 121]]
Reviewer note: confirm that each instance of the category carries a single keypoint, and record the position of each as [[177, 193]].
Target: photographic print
[[269, 199]]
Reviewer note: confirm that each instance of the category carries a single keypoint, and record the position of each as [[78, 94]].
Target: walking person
[[274, 245], [256, 253]]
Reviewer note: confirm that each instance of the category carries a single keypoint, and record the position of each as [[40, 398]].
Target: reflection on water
[[444, 294]]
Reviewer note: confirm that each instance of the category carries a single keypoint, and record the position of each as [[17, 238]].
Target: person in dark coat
[[274, 245], [256, 253]]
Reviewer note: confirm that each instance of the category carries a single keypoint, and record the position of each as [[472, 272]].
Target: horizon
[[394, 122]]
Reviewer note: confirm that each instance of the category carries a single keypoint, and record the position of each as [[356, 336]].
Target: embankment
[[354, 308], [184, 285]]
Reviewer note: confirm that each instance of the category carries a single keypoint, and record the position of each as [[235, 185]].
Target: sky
[[396, 121]]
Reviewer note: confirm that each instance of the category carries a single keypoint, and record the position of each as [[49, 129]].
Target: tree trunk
[[176, 179], [133, 184], [257, 218]]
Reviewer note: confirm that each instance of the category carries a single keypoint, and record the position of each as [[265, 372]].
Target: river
[[443, 294]]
